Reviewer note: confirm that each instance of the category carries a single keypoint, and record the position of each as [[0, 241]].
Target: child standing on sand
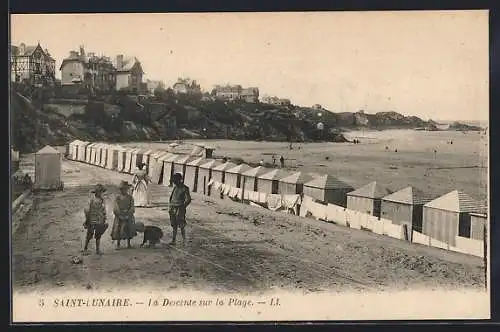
[[95, 218]]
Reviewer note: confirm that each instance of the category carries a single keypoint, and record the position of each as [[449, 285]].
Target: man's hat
[[177, 176], [99, 188]]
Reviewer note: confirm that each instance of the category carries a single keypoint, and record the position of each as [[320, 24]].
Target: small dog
[[152, 234]]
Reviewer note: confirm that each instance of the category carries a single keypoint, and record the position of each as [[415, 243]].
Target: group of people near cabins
[[130, 196]]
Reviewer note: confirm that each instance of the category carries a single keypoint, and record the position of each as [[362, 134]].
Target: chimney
[[119, 61]]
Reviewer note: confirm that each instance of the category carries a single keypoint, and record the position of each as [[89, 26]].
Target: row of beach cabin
[[441, 217]]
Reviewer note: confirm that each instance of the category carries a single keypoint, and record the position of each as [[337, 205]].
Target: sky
[[431, 64]]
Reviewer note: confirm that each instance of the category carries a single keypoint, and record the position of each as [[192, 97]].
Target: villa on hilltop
[[88, 70], [186, 86], [129, 73], [276, 101], [32, 64], [237, 92]]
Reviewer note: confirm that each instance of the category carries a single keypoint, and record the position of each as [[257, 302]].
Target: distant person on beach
[[282, 161], [140, 187], [274, 160], [95, 219], [386, 148], [261, 162], [180, 198], [124, 222]]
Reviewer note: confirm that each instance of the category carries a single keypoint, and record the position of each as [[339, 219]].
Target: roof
[[456, 201], [299, 177], [128, 63], [211, 164], [241, 168], [274, 175], [409, 195], [184, 159], [148, 152], [225, 166], [170, 157], [197, 162], [327, 182], [48, 150], [254, 172], [371, 190]]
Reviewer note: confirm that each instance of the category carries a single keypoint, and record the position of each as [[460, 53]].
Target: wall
[[233, 179], [440, 225], [47, 170], [191, 177], [477, 225], [70, 71], [361, 204], [121, 81], [290, 188]]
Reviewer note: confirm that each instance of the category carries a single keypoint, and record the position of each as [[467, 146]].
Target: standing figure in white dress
[[140, 187]]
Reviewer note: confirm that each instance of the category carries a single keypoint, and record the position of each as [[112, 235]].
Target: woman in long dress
[[140, 187], [124, 222]]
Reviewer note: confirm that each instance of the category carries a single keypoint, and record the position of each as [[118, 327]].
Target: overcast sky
[[428, 64]]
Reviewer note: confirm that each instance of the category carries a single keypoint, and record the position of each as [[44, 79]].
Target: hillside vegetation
[[50, 117]]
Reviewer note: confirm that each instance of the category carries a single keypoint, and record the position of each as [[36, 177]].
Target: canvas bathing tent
[[122, 156], [145, 158], [328, 189], [168, 167], [179, 164], [138, 157], [251, 177], [233, 175], [129, 168], [82, 150], [192, 171], [73, 150], [47, 168], [88, 153], [205, 175], [219, 172], [104, 155], [155, 169], [112, 156], [448, 216], [367, 199], [269, 182], [293, 184], [405, 206]]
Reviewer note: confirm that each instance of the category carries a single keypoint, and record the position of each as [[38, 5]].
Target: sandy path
[[231, 247]]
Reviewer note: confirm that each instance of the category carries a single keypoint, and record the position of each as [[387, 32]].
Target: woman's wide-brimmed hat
[[99, 188], [124, 185]]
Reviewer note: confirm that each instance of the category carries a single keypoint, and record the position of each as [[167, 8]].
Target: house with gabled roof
[[294, 183], [205, 175], [367, 199], [449, 216], [192, 172], [251, 177], [233, 175], [405, 207], [269, 182], [129, 73], [328, 189], [32, 64]]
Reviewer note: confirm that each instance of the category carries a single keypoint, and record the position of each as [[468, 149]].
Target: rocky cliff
[[126, 118]]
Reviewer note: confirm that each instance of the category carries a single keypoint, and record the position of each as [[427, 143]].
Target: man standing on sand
[[179, 200]]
